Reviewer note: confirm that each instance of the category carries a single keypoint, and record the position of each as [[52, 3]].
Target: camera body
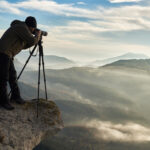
[[43, 33]]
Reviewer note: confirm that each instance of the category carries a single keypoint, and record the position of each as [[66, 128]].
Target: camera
[[43, 33]]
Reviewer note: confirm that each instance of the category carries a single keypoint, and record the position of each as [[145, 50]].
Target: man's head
[[31, 23]]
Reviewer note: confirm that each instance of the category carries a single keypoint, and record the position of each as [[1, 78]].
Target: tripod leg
[[44, 78], [27, 61], [39, 76]]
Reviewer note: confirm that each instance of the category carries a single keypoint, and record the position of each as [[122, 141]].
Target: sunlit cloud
[[100, 19], [55, 8], [85, 35], [74, 41], [129, 132]]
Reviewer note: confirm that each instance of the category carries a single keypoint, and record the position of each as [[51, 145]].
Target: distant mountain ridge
[[51, 61], [126, 56], [132, 56], [143, 64], [52, 58], [57, 59], [57, 62]]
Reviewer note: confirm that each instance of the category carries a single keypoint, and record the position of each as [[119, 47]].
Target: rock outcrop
[[20, 129]]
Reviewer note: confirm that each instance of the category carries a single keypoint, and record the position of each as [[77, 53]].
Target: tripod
[[41, 59]]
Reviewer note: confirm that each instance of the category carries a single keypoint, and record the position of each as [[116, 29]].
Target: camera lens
[[44, 33]]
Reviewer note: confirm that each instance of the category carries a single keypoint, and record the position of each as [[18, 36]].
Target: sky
[[85, 30]]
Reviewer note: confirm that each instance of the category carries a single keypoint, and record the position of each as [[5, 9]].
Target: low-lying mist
[[114, 101]]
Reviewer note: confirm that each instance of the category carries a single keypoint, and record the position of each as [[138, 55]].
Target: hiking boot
[[18, 100], [7, 106]]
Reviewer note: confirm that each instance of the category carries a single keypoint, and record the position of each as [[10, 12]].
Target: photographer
[[19, 36]]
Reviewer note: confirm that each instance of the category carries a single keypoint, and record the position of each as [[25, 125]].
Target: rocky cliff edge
[[20, 129]]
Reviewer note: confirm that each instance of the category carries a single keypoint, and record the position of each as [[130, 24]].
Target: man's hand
[[38, 34]]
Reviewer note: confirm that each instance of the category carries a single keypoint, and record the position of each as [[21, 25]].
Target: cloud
[[45, 5], [99, 20], [54, 7], [81, 3], [129, 132], [121, 18], [123, 1], [69, 94], [1, 31], [8, 7], [83, 36], [82, 42]]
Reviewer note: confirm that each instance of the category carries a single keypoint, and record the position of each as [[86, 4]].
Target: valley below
[[102, 108]]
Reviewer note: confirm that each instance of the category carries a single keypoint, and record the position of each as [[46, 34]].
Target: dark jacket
[[16, 38]]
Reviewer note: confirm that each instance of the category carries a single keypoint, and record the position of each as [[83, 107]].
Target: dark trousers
[[7, 74]]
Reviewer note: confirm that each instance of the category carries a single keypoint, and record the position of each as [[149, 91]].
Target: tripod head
[[40, 46]]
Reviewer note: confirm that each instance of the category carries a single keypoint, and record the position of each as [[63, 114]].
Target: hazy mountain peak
[[125, 56], [142, 64], [57, 58], [130, 55]]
